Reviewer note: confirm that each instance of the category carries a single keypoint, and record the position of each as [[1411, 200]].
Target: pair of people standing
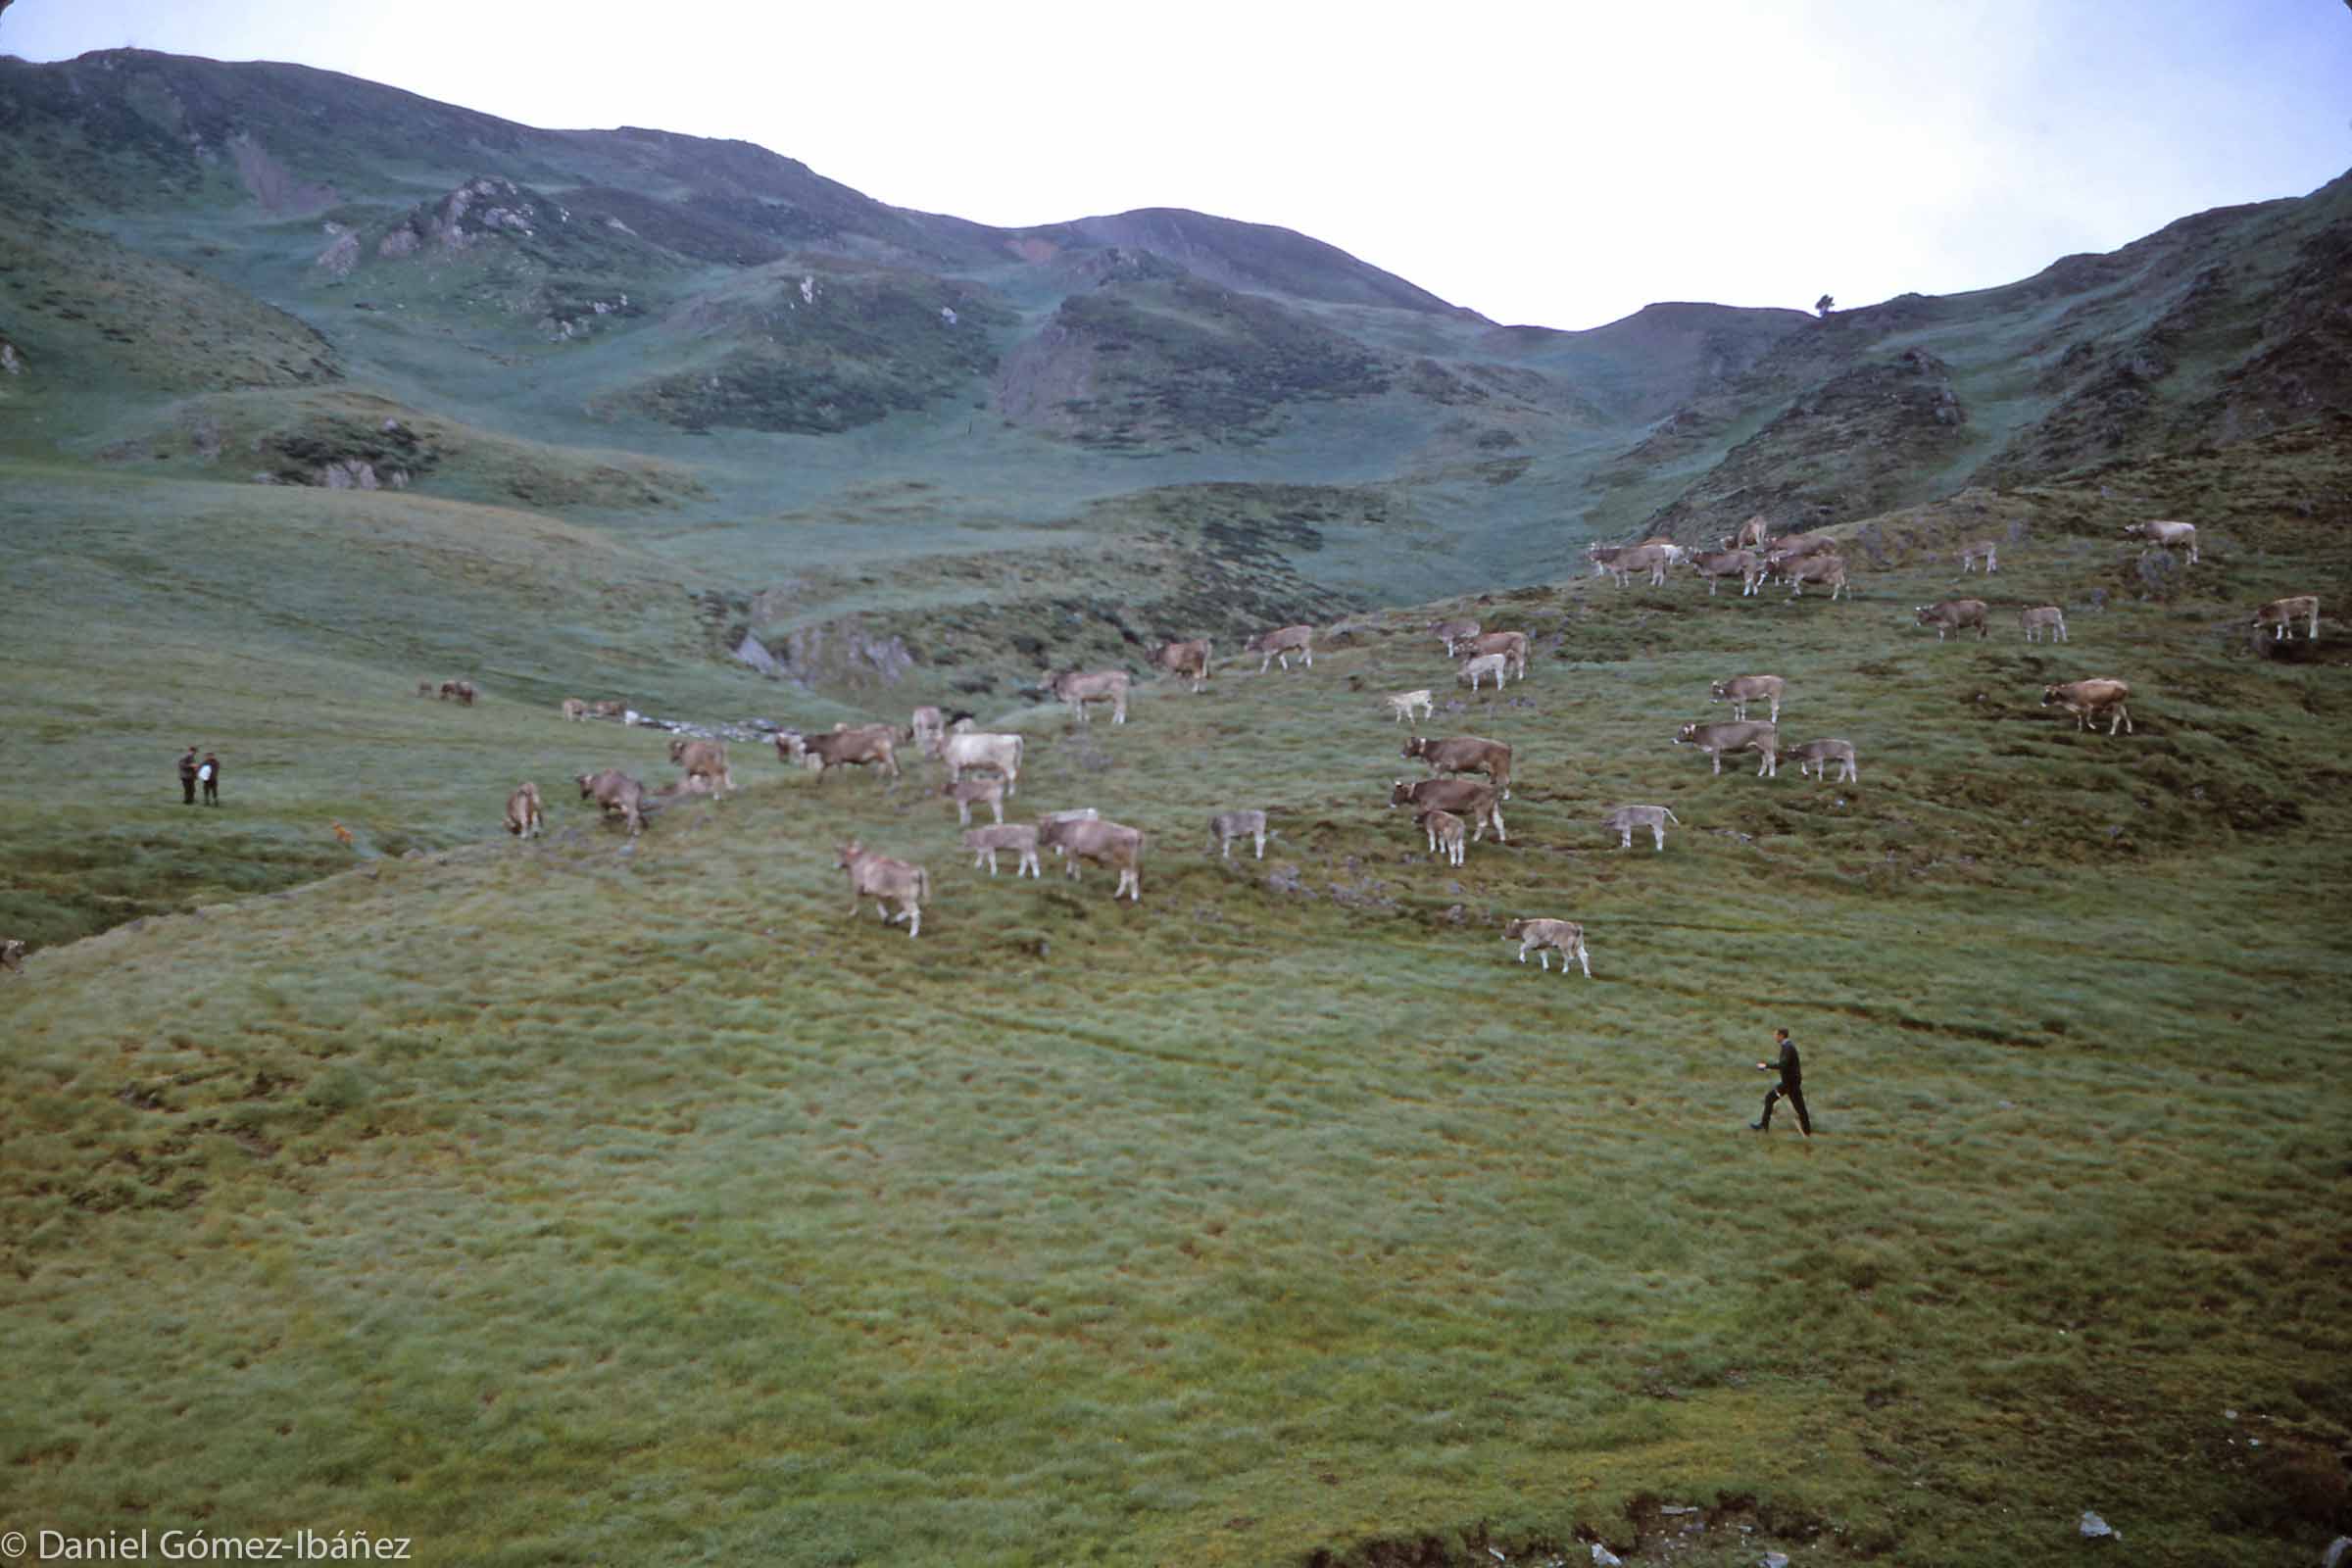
[[193, 773]]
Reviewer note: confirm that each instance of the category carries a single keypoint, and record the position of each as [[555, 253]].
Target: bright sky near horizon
[[1561, 164]]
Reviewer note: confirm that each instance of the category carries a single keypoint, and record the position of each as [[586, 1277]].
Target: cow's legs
[[1718, 757], [1262, 842], [1657, 830]]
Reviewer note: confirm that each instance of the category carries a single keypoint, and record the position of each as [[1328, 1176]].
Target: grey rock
[[2094, 1528], [752, 652], [2337, 1551], [1772, 1559], [1603, 1557]]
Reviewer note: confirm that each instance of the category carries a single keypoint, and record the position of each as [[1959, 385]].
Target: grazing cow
[[611, 707], [1815, 756], [1186, 661], [1623, 821], [923, 725], [705, 760], [1465, 753], [2040, 619], [1512, 644], [1444, 832], [1079, 813], [887, 882], [1000, 753], [1986, 550], [1494, 665], [970, 792], [1402, 703], [1603, 558], [860, 748], [1450, 632], [1742, 690], [2165, 536], [1077, 688], [617, 795], [575, 709], [462, 690], [1281, 643], [2282, 614], [12, 954], [1751, 735], [522, 811], [1019, 836], [1226, 826], [1651, 559], [1797, 547], [1543, 938], [1744, 565], [2089, 700], [1953, 615], [1480, 805], [1104, 842], [1817, 569]]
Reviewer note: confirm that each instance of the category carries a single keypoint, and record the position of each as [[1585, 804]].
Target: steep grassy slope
[[577, 1200]]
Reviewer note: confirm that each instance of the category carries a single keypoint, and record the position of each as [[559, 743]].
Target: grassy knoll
[[581, 1202]]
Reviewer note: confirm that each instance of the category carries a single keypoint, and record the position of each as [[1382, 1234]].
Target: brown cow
[[1623, 821], [1102, 842], [1281, 643], [887, 882], [2039, 619], [1744, 565], [705, 760], [1651, 559], [2165, 536], [2089, 700], [1603, 558], [1815, 756], [1186, 661], [1465, 753], [1742, 690], [971, 792], [1986, 550], [1512, 645], [1953, 615], [1544, 938], [575, 709], [1480, 805], [1817, 569], [617, 795], [1751, 735], [847, 748], [1444, 832], [1077, 688], [12, 954], [462, 690], [1227, 826], [2282, 614], [523, 810], [1019, 836], [1450, 632]]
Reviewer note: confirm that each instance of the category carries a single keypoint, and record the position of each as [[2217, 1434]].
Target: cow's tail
[[922, 883], [1671, 817]]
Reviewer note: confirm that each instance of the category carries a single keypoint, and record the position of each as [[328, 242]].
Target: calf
[[999, 753], [1752, 735], [1077, 688], [1744, 565], [851, 748], [1984, 550], [1402, 703], [2041, 619], [2089, 700], [887, 882], [1953, 615], [1815, 756], [522, 813], [575, 709], [1512, 645], [1281, 643], [1477, 803], [1227, 826], [925, 725], [1830, 569], [1110, 844], [1496, 665], [611, 709], [1452, 632], [1185, 660], [617, 795], [1444, 830], [1543, 938], [704, 759], [2165, 536], [2282, 614], [12, 954], [1465, 753], [971, 792], [1021, 837], [1742, 690], [1623, 821]]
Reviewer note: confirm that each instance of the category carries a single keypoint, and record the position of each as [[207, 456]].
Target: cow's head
[[1514, 931], [1416, 746], [1401, 794], [1689, 732], [847, 854]]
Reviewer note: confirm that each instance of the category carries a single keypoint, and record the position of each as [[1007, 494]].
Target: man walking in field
[[1791, 1084], [209, 773], [187, 777]]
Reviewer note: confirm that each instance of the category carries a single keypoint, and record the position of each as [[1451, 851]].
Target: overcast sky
[[1561, 163]]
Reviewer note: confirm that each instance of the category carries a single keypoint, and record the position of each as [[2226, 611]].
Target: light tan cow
[[1829, 570], [871, 746], [999, 753], [705, 760], [1742, 690], [2039, 620], [1815, 756], [1450, 632], [1676, 554], [1465, 753], [1987, 551], [523, 810], [1603, 558], [1186, 661], [1623, 821], [1544, 938], [1716, 564], [1444, 832], [2165, 536], [887, 882], [1650, 558], [1480, 805], [12, 954], [2091, 700], [1280, 644], [1104, 842], [1953, 615], [1751, 735], [1402, 703], [1227, 826], [616, 793], [924, 726], [611, 707], [1076, 688], [575, 709], [1496, 665], [1512, 644], [2280, 614], [970, 792], [1019, 836], [1752, 536]]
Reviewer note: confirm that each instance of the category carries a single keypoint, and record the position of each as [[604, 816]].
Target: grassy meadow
[[584, 1200]]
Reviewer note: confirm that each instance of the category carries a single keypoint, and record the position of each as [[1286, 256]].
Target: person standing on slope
[[209, 773], [1791, 1084], [187, 777]]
